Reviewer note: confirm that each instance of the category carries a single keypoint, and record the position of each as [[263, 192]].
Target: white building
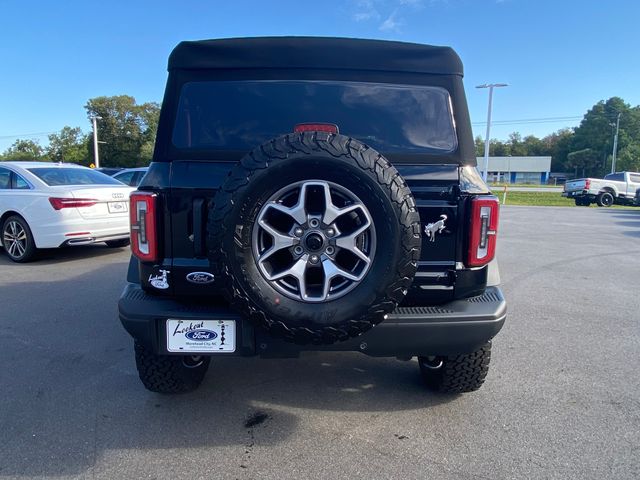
[[517, 169]]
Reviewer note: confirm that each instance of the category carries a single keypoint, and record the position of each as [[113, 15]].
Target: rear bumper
[[457, 327], [577, 193], [80, 232]]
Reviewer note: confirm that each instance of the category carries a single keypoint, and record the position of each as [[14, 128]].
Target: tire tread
[[350, 150]]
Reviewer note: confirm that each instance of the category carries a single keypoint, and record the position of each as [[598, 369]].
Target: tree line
[[586, 150], [127, 133]]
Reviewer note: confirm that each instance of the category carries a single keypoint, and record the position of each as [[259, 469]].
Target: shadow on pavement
[[70, 390], [50, 256], [626, 218]]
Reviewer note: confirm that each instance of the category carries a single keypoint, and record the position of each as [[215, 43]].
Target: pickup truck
[[620, 188]]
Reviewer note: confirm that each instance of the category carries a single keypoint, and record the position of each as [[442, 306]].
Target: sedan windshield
[[54, 176]]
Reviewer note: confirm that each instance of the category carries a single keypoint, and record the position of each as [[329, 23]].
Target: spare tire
[[318, 237]]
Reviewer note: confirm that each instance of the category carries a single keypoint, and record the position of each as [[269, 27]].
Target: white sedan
[[50, 205]]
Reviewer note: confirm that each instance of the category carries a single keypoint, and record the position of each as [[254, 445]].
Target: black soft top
[[315, 52]]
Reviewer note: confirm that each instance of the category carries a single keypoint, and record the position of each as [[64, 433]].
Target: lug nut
[[314, 222], [298, 250], [314, 258], [298, 232], [330, 250], [331, 232]]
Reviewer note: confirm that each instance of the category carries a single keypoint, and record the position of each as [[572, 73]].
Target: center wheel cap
[[314, 242]]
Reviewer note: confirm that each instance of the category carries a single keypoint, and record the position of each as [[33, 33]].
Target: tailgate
[[575, 185], [434, 187]]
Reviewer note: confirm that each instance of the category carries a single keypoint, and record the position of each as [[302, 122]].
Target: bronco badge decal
[[436, 227]]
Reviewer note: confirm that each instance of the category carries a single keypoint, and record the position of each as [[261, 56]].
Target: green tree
[[558, 145], [596, 131], [128, 130], [629, 158], [70, 145], [23, 149], [479, 141], [582, 160]]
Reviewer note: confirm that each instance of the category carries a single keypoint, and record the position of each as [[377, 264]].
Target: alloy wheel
[[314, 241], [14, 239]]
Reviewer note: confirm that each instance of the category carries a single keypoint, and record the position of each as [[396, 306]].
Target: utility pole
[[615, 145], [94, 119], [490, 86]]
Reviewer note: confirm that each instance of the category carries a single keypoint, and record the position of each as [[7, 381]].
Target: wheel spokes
[[331, 271], [348, 242], [299, 211], [20, 248], [15, 239], [331, 212], [280, 241], [298, 237], [297, 271]]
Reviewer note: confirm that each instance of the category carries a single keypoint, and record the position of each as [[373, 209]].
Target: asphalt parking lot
[[562, 399]]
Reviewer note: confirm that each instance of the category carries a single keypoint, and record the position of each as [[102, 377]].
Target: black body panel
[[188, 189]]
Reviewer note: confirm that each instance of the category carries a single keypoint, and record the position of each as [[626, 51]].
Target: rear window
[[615, 177], [241, 115], [55, 176]]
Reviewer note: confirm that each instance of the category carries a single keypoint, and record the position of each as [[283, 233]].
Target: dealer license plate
[[201, 336], [117, 207]]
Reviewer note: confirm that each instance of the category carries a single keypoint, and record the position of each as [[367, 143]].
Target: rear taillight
[[316, 127], [142, 216], [60, 203], [587, 184], [484, 228]]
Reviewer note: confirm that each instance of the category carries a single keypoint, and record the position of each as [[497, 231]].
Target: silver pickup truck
[[620, 187]]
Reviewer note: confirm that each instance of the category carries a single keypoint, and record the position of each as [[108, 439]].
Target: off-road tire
[[121, 243], [604, 199], [581, 202], [30, 249], [168, 373], [457, 373], [330, 157]]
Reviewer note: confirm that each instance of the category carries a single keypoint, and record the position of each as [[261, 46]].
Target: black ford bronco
[[313, 194]]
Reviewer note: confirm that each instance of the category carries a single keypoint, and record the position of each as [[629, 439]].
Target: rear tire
[[605, 199], [17, 239], [170, 373], [456, 373], [123, 242], [582, 202], [345, 293]]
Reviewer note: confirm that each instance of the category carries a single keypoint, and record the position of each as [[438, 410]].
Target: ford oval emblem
[[201, 335], [200, 278]]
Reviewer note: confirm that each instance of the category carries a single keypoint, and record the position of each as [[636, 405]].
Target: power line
[[525, 121], [36, 134]]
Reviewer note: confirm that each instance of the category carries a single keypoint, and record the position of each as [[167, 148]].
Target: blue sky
[[559, 57]]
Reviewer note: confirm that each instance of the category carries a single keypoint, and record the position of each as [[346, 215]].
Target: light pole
[[615, 145], [490, 86], [94, 119]]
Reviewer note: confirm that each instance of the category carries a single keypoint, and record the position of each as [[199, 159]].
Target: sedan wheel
[[18, 240]]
